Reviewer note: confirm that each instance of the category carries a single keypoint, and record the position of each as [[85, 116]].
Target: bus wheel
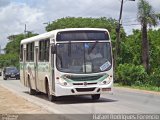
[[95, 97], [50, 97], [32, 91]]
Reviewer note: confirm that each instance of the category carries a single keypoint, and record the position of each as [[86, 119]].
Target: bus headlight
[[106, 81], [63, 82]]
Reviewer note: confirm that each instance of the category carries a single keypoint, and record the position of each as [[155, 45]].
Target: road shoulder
[[12, 103], [138, 90]]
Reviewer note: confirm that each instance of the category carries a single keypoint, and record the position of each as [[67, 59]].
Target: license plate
[[12, 75]]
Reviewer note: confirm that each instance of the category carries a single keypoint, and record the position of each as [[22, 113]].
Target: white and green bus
[[73, 61]]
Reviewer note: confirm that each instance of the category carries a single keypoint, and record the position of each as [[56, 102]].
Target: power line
[[132, 25], [135, 24]]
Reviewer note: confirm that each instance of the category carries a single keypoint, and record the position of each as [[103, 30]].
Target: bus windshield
[[85, 57]]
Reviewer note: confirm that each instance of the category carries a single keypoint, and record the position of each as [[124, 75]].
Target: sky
[[14, 14]]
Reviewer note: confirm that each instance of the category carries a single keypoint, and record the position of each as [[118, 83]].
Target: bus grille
[[85, 89], [84, 78], [94, 83]]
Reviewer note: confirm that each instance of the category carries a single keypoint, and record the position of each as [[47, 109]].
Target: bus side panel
[[52, 72], [41, 76], [30, 75], [36, 71], [22, 80], [22, 69], [46, 72]]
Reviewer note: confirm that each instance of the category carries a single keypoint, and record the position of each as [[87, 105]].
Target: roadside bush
[[130, 74], [154, 79]]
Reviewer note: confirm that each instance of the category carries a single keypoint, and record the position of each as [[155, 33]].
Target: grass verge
[[142, 87]]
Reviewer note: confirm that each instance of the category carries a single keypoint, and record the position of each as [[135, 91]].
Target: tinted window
[[44, 50], [82, 35], [21, 53], [30, 52], [11, 69]]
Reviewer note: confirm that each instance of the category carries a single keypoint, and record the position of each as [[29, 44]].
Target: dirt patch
[[13, 104]]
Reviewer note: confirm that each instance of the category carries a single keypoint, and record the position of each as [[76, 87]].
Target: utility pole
[[26, 33], [25, 30], [118, 29], [47, 23]]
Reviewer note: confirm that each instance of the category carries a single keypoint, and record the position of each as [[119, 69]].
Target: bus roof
[[53, 32]]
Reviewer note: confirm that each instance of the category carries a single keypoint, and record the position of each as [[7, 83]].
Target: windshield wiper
[[94, 45], [60, 59]]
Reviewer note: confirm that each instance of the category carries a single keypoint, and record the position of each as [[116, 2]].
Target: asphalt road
[[122, 101]]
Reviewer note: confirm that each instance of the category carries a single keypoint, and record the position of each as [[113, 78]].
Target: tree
[[72, 22], [130, 49], [146, 16], [12, 50]]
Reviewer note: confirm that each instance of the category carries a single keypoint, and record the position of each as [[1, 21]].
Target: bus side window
[[41, 54], [30, 52], [21, 53], [44, 50]]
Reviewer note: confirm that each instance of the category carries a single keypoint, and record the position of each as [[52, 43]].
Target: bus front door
[[36, 68], [23, 69], [52, 67]]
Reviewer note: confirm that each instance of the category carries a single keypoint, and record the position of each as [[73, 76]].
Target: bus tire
[[95, 97], [50, 97], [31, 91]]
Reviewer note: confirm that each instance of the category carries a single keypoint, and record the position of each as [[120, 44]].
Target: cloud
[[4, 3], [80, 8], [16, 13], [54, 9], [15, 16], [155, 4]]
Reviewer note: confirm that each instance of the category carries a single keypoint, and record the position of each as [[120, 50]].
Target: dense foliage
[[130, 71], [129, 74], [12, 50]]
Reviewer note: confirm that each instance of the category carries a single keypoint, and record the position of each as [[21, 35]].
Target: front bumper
[[82, 90], [12, 76]]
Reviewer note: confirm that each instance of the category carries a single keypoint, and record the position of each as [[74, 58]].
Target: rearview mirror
[[53, 49]]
